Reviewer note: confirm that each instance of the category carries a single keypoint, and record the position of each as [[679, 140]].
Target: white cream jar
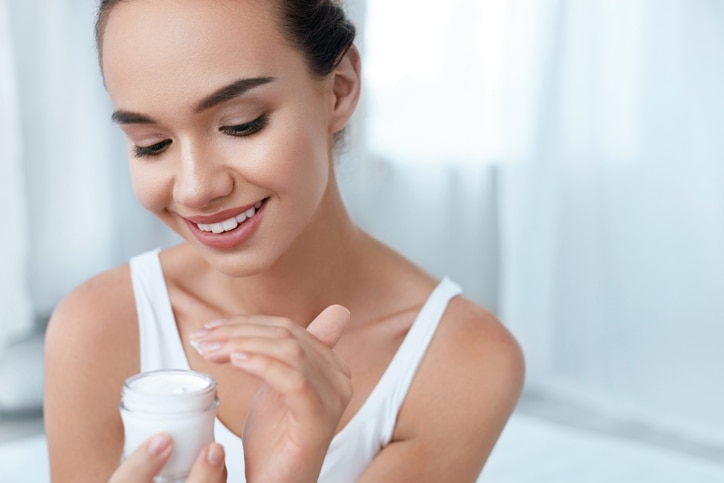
[[181, 403]]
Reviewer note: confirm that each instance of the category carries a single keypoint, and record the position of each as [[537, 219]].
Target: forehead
[[191, 45]]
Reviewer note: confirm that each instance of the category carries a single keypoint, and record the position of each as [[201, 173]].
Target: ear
[[346, 85]]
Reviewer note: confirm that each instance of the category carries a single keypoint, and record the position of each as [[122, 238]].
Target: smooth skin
[[299, 321]]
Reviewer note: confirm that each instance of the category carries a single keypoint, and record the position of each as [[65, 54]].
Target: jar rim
[[207, 391], [210, 386]]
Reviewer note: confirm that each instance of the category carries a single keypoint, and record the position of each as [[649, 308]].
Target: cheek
[[310, 155], [293, 162], [306, 165], [151, 186]]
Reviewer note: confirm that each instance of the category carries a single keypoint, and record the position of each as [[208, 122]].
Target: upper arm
[[463, 394], [91, 346]]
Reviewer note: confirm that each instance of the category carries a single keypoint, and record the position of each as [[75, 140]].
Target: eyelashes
[[246, 129], [238, 130], [152, 150]]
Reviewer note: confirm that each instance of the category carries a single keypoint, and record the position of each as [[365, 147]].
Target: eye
[[152, 150], [246, 129]]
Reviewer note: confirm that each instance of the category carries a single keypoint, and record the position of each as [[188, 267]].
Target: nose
[[201, 177]]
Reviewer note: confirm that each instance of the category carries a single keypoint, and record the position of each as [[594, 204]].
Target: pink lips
[[228, 239], [220, 216]]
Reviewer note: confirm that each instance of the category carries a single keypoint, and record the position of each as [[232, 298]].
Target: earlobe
[[347, 80]]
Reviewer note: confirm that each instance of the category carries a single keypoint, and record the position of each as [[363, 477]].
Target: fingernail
[[158, 444], [198, 334], [239, 356], [196, 346], [215, 455], [212, 346], [215, 323]]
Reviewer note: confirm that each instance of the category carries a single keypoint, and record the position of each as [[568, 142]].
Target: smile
[[231, 223]]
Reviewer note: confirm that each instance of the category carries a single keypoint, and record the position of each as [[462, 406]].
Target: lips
[[229, 228], [230, 223]]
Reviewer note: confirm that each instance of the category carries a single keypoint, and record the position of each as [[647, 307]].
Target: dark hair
[[320, 29]]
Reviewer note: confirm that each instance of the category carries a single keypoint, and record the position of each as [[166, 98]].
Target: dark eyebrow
[[235, 89], [231, 91], [126, 117]]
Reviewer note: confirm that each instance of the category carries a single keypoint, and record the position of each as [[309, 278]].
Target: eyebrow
[[226, 93]]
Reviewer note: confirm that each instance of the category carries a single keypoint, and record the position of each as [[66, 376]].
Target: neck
[[315, 272]]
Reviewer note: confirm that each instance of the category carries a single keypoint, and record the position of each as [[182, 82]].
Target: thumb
[[329, 325]]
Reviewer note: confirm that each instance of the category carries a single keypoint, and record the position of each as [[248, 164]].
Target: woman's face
[[229, 136]]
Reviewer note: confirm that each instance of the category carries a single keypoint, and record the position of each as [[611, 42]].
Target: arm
[[466, 388], [91, 347]]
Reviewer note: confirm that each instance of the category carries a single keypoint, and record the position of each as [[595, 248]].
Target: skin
[[298, 322]]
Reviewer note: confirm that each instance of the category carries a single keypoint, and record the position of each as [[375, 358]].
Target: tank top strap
[[160, 344], [401, 371]]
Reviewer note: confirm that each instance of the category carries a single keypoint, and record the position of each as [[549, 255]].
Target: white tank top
[[369, 430]]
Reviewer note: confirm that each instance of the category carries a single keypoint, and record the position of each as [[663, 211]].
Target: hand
[[146, 462], [307, 387]]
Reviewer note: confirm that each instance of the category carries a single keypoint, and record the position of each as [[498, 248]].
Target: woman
[[232, 109]]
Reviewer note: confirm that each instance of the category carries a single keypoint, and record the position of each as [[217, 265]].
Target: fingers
[[271, 335], [209, 466], [294, 361], [329, 325], [145, 463]]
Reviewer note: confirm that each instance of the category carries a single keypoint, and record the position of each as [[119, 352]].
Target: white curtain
[[15, 308], [82, 217], [69, 211], [564, 160]]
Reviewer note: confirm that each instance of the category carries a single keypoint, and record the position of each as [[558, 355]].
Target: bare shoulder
[[95, 317], [477, 339], [91, 346], [475, 356], [465, 390]]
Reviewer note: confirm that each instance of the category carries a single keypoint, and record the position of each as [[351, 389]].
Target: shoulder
[[472, 336], [98, 310], [466, 387], [91, 347], [474, 350], [93, 330]]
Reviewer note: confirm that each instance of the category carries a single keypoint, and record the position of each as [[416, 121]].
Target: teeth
[[231, 223]]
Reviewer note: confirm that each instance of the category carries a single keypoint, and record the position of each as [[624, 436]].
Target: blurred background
[[562, 159]]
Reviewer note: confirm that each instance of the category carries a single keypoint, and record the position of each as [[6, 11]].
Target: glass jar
[[179, 402]]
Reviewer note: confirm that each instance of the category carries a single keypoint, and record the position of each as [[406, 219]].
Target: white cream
[[178, 402]]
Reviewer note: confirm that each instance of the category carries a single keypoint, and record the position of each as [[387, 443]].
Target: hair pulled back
[[320, 29]]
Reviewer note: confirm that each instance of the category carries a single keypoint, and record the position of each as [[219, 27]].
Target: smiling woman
[[329, 349]]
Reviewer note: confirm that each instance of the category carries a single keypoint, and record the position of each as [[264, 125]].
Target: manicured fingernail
[[198, 334], [196, 345], [212, 346], [239, 356], [158, 444], [215, 323], [215, 456]]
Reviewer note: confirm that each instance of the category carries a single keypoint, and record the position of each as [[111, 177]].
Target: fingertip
[[337, 313], [329, 324], [215, 455], [209, 465], [159, 444], [340, 307]]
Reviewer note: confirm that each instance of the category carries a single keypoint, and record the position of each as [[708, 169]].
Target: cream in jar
[[179, 402]]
